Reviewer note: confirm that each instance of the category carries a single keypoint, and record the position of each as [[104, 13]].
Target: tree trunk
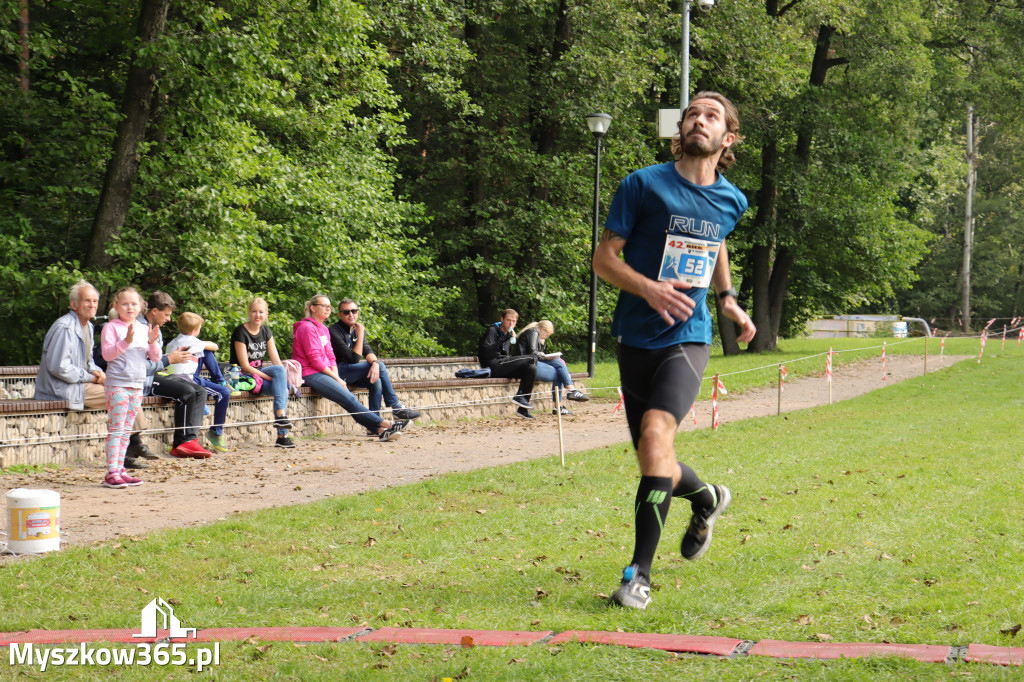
[[771, 280], [23, 40], [965, 265], [726, 330], [115, 197]]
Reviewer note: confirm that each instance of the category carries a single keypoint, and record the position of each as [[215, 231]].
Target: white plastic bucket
[[33, 521], [899, 330]]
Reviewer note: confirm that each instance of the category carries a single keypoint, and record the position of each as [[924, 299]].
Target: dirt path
[[189, 492]]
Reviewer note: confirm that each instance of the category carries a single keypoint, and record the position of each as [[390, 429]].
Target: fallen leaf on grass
[[220, 602], [823, 637], [370, 542], [517, 660], [1011, 631], [804, 619], [896, 620], [466, 642]]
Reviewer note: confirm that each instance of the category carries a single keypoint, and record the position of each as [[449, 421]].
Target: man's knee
[[657, 434]]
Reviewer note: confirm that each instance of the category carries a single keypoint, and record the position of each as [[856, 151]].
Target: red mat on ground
[[438, 636], [8, 637], [984, 653], [929, 653], [286, 634], [696, 644], [76, 636]]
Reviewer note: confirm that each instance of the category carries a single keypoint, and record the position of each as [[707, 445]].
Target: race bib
[[689, 260]]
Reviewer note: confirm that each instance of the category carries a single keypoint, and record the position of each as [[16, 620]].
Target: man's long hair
[[732, 125]]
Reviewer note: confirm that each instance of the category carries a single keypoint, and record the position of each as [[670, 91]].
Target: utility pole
[[972, 179]]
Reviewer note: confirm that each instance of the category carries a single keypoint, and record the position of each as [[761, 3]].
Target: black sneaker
[[697, 538], [406, 414], [392, 432], [521, 401], [577, 395], [284, 442], [139, 449], [635, 590], [524, 413], [134, 463], [566, 412], [282, 422], [400, 424]]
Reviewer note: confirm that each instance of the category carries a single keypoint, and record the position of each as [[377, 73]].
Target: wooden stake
[[558, 415], [778, 405]]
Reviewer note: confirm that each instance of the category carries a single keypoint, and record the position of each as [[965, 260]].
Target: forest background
[[430, 158]]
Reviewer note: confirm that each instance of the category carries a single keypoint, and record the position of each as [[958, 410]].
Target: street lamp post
[[598, 125], [684, 78]]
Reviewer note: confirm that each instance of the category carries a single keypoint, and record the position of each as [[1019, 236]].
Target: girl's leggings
[[123, 405]]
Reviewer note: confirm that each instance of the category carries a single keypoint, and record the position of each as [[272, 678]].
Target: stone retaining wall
[[83, 433]]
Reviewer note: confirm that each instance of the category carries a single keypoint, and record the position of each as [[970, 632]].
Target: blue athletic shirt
[[650, 204]]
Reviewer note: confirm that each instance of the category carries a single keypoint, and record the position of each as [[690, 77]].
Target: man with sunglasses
[[358, 364]]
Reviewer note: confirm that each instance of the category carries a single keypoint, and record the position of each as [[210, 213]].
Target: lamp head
[[706, 3], [599, 124]]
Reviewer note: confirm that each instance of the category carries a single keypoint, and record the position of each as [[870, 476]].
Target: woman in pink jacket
[[312, 349]]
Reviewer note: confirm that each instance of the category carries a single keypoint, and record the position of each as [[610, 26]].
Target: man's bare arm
[[664, 297]]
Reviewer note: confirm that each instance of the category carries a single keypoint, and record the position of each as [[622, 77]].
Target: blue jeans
[[557, 373], [221, 394], [278, 385], [357, 375], [329, 388]]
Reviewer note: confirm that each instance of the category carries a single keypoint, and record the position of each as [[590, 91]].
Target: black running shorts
[[660, 379]]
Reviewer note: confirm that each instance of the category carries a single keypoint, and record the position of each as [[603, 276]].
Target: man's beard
[[702, 147]]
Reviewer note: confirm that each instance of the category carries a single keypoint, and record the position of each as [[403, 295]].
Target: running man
[[670, 222]]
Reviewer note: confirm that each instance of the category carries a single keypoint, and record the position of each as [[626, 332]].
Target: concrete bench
[[47, 432]]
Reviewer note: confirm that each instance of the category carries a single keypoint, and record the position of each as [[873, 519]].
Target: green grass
[[892, 517], [21, 469], [806, 357]]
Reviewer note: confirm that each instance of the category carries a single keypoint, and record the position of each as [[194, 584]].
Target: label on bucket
[[39, 523]]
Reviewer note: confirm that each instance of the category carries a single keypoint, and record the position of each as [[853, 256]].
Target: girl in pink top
[[125, 344]]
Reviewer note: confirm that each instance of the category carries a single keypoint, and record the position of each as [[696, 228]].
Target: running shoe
[[635, 590], [392, 432], [521, 401], [524, 413], [405, 413], [217, 443], [566, 412], [697, 538], [282, 422], [284, 442], [577, 395]]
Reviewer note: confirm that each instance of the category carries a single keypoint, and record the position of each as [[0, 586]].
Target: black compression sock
[[653, 497], [699, 493]]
